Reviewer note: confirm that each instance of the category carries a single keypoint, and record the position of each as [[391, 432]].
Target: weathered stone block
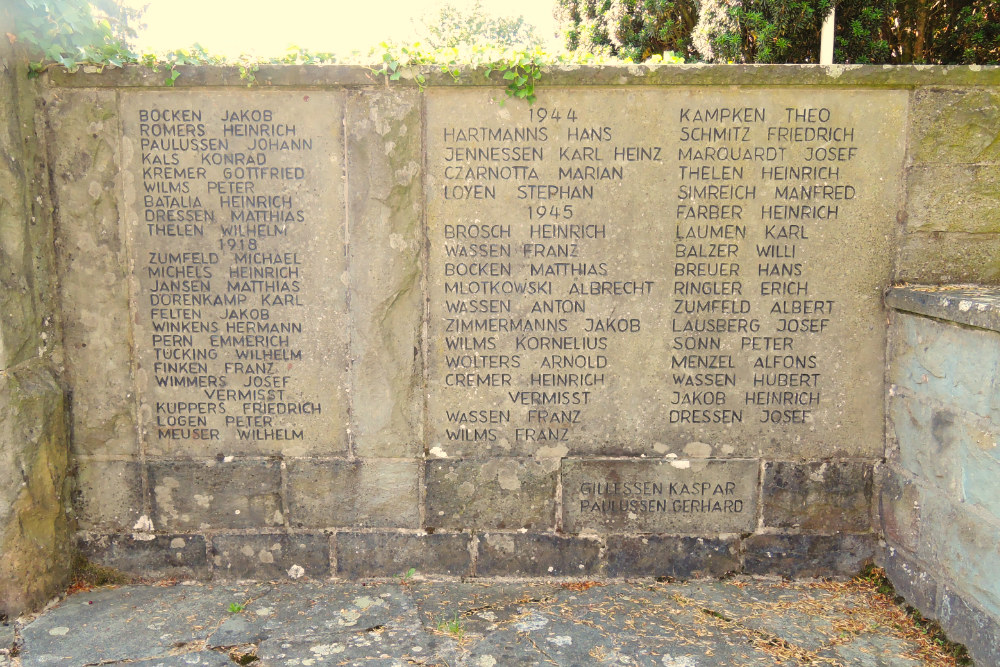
[[670, 556], [840, 555], [34, 461], [937, 258], [928, 436], [911, 581], [496, 493], [27, 275], [270, 556], [825, 496], [954, 198], [160, 557], [373, 492], [360, 555], [535, 555], [970, 625], [108, 495], [899, 509], [946, 363], [964, 547], [955, 125], [981, 471], [689, 495], [384, 208], [93, 271], [200, 495]]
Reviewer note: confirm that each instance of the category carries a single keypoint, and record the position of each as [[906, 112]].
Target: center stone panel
[[659, 271], [236, 220]]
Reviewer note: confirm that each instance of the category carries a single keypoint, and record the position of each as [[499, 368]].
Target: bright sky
[[268, 27]]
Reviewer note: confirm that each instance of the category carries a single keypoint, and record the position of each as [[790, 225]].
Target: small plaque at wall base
[[674, 496]]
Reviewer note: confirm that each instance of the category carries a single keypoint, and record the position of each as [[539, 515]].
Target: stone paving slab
[[735, 623], [129, 623]]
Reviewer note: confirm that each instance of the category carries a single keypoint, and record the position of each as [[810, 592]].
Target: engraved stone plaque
[[659, 496], [235, 211], [659, 272]]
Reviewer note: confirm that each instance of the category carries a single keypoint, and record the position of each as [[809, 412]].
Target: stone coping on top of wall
[[972, 305], [875, 76]]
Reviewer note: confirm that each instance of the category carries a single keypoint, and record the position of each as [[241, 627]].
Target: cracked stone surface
[[707, 623]]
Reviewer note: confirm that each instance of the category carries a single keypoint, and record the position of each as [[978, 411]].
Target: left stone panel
[[234, 209], [35, 531]]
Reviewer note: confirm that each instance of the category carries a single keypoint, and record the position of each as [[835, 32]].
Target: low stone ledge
[[266, 556], [159, 557], [537, 555], [972, 305], [676, 556], [382, 554], [808, 555]]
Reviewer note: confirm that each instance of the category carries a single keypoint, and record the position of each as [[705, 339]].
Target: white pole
[[826, 38]]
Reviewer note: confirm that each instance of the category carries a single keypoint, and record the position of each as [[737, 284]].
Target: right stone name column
[[661, 288]]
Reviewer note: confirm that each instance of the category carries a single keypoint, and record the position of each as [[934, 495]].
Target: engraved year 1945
[[538, 212]]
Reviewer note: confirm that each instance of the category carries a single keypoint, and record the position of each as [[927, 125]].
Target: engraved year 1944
[[541, 114]]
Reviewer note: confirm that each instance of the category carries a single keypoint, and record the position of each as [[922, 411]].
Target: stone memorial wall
[[644, 313], [325, 327]]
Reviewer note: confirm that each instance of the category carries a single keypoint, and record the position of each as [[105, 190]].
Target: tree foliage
[[451, 27], [760, 31], [633, 29], [918, 31], [787, 31]]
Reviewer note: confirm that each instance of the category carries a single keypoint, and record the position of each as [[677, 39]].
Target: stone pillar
[[34, 438], [939, 508]]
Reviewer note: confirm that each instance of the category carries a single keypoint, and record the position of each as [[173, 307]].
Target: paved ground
[[695, 624]]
